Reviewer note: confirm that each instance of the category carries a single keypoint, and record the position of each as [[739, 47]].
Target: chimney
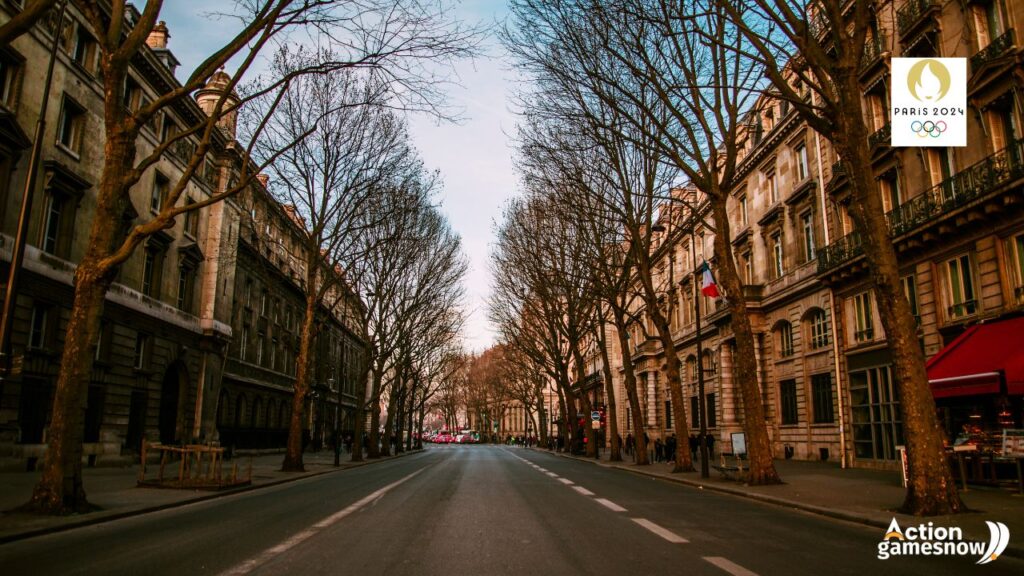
[[158, 36]]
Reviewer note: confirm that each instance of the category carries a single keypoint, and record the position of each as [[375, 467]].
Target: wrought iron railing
[[873, 50], [995, 49], [952, 193], [912, 12], [881, 136]]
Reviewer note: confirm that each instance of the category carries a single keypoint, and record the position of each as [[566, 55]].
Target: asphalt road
[[475, 510]]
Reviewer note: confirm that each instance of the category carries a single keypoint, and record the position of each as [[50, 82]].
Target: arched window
[[257, 408], [241, 408], [222, 408], [691, 367], [710, 363]]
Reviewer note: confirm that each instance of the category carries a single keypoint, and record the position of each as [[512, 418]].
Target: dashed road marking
[[610, 505], [565, 481], [583, 490], [729, 566], [664, 533], [262, 558], [552, 474]]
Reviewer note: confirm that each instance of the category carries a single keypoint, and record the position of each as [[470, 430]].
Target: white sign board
[[739, 443], [929, 102]]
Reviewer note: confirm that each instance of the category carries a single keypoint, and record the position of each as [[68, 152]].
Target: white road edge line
[[583, 490], [729, 566], [565, 481], [552, 474], [666, 534], [262, 558], [610, 505]]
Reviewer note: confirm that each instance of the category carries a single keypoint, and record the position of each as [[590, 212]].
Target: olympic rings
[[928, 128]]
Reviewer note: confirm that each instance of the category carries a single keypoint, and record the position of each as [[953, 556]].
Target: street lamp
[[337, 424]]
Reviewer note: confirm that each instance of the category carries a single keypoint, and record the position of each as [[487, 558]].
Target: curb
[[1012, 551], [87, 521]]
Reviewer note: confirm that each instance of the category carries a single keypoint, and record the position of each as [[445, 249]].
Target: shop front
[[978, 384]]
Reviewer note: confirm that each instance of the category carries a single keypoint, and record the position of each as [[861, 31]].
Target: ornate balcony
[[873, 50], [973, 182], [997, 48], [913, 13], [880, 137]]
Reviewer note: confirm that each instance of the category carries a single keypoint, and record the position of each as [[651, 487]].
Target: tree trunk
[[755, 427], [611, 419], [374, 448], [359, 423], [303, 367], [543, 416], [629, 377], [60, 489], [389, 423], [931, 489]]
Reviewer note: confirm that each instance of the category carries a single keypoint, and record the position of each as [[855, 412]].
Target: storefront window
[[877, 422]]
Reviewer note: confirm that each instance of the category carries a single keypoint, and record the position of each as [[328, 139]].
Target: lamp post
[[337, 424]]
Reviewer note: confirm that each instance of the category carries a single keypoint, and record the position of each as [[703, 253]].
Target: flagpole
[[701, 408]]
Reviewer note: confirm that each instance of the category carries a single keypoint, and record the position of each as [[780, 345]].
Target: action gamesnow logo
[[929, 102], [931, 540]]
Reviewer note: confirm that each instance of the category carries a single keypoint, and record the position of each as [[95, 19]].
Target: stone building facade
[[957, 217], [168, 322]]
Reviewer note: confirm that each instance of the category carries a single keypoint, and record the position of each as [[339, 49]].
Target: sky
[[473, 156]]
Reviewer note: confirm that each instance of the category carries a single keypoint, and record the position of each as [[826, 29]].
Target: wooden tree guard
[[199, 467]]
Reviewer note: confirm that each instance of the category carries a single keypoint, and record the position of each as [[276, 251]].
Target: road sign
[[595, 415]]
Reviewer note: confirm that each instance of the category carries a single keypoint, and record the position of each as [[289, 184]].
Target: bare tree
[[821, 45], [32, 12]]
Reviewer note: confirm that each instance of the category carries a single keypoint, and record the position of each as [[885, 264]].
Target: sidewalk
[[857, 495], [114, 490]]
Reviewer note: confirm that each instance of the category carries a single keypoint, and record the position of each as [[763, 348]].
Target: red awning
[[979, 360]]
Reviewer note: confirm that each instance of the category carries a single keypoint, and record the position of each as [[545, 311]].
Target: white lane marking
[[583, 490], [544, 470], [729, 566], [610, 505], [666, 534], [565, 481], [263, 557], [552, 474]]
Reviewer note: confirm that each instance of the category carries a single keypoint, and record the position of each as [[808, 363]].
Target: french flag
[[707, 283]]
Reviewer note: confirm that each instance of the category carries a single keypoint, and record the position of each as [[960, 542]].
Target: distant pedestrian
[[658, 450], [629, 443], [670, 448], [693, 446], [710, 439]]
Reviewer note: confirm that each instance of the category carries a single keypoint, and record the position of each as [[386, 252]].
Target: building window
[[261, 345], [807, 231], [243, 344], [892, 197], [910, 291], [186, 287], [821, 390], [191, 219], [84, 50], [709, 404], [787, 402], [877, 422], [940, 164], [248, 293], [960, 282], [71, 126], [742, 206], [785, 339], [37, 332], [152, 271], [802, 169], [1003, 126], [986, 22], [777, 255], [264, 302], [863, 320], [1015, 249], [168, 130], [747, 267], [273, 354], [771, 187], [141, 351], [52, 225], [161, 185], [819, 329], [10, 73]]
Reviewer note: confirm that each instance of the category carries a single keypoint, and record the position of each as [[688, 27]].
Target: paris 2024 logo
[[929, 102]]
